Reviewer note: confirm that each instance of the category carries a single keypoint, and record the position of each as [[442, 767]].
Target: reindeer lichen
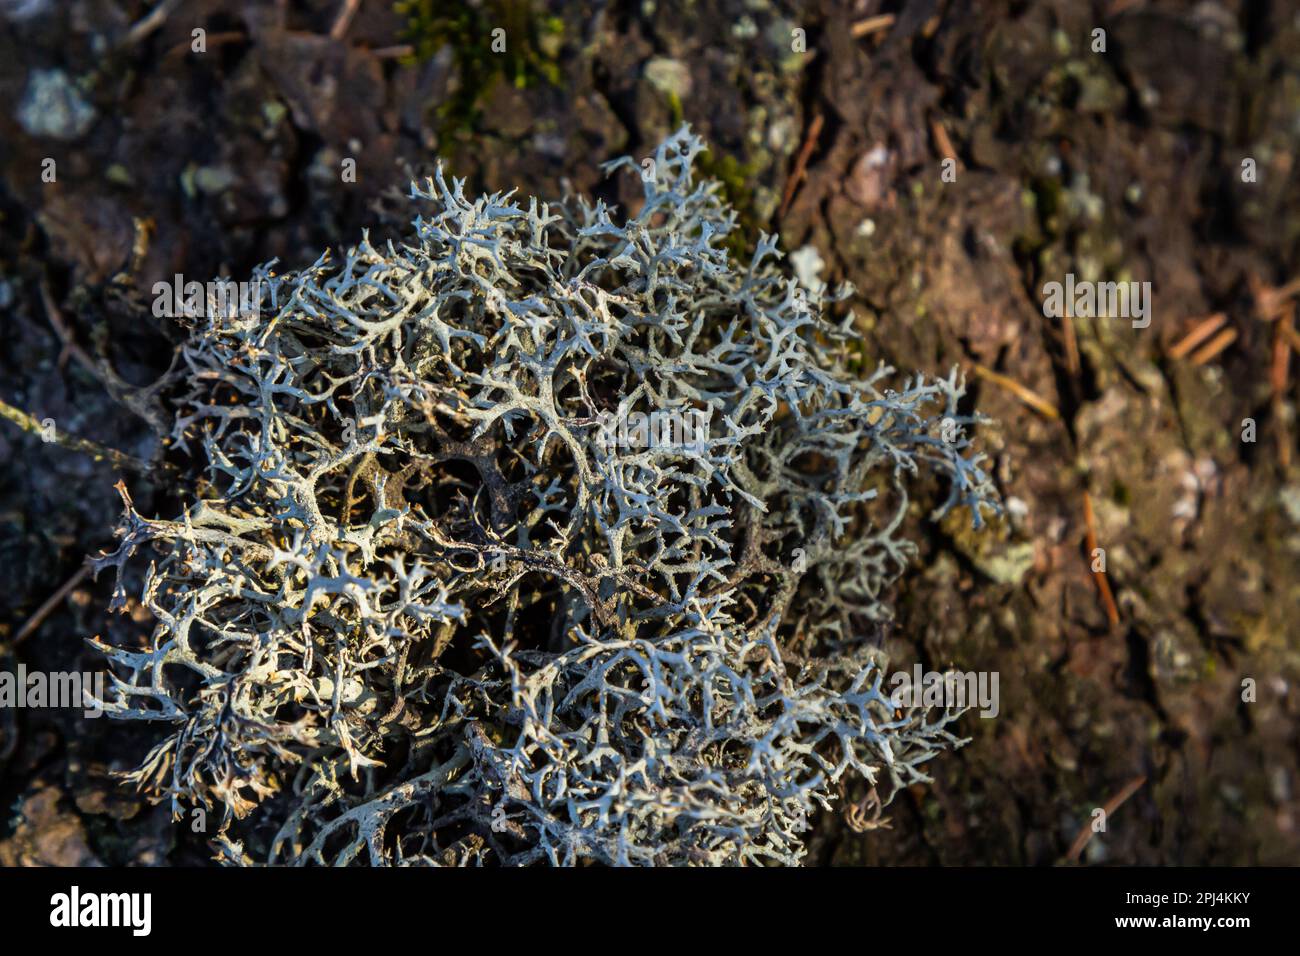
[[422, 609]]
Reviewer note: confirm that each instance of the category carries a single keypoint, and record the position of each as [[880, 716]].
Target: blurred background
[[948, 158]]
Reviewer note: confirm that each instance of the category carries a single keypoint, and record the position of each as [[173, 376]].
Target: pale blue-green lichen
[[424, 614]]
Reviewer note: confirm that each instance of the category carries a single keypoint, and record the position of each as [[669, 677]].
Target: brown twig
[[344, 19], [941, 141], [150, 22], [801, 163], [1201, 331], [70, 346], [1287, 331], [1270, 302], [1109, 807], [212, 40], [1284, 340], [870, 25], [1278, 367], [1103, 583], [1030, 398], [1215, 346], [141, 401], [1072, 362], [51, 603]]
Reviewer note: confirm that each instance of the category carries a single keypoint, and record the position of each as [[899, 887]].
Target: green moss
[[1120, 494], [859, 362], [675, 109], [737, 180], [531, 54]]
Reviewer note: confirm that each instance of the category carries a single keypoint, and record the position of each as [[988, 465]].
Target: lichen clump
[[426, 606]]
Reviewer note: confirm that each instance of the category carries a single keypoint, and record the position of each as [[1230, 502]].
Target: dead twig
[[53, 601], [1103, 583], [1284, 340], [1270, 301], [1073, 364], [85, 446], [212, 40], [150, 22], [140, 401], [70, 346], [801, 163], [942, 143], [1030, 398], [1109, 807], [1215, 346], [344, 19], [870, 25], [1287, 331], [1201, 331]]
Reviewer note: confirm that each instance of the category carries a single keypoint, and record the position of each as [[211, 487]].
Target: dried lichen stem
[[85, 446]]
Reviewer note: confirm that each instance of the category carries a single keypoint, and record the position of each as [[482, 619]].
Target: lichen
[[424, 611]]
